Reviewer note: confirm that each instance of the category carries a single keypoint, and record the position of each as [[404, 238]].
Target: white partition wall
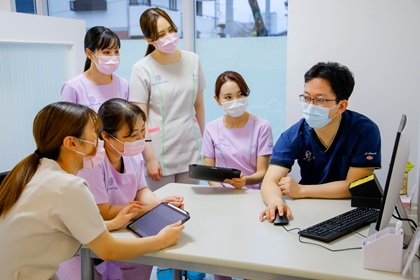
[[379, 40], [37, 55]]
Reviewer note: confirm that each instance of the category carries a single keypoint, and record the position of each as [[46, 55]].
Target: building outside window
[[215, 18]]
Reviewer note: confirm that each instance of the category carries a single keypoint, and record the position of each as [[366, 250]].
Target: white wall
[[24, 28], [379, 40], [37, 55], [5, 5]]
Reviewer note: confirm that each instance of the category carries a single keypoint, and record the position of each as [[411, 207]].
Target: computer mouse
[[280, 220]]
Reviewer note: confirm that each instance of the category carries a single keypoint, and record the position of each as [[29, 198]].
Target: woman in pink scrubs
[[97, 83], [238, 139], [119, 179]]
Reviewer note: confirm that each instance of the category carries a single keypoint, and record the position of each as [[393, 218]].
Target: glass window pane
[[259, 57], [262, 63], [241, 18], [122, 17], [24, 85], [25, 6], [214, 18]]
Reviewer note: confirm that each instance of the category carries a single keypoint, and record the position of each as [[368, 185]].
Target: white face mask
[[107, 64], [235, 108], [131, 149], [89, 162]]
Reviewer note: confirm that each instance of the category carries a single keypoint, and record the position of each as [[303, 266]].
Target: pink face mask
[[131, 149], [168, 43], [89, 162], [107, 64]]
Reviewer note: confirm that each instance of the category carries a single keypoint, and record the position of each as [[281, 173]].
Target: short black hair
[[341, 79]]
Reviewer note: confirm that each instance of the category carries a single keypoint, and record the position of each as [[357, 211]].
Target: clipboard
[[156, 219], [212, 173]]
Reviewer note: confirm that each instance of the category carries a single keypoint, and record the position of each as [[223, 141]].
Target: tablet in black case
[[156, 219], [212, 173]]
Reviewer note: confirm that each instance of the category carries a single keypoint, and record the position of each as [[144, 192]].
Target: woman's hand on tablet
[[238, 183], [175, 200], [170, 234], [127, 213]]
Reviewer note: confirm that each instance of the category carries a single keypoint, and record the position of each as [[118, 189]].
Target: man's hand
[[290, 187]]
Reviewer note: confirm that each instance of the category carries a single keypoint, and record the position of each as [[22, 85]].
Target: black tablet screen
[[156, 219]]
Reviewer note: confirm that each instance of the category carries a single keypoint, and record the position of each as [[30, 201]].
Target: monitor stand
[[408, 230]]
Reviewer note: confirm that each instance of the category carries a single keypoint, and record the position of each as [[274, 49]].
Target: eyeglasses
[[316, 101]]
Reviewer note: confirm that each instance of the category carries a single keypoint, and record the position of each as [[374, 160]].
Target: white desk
[[224, 236]]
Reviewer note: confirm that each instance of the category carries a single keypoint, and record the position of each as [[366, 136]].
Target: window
[[25, 6], [88, 5], [214, 18], [247, 36]]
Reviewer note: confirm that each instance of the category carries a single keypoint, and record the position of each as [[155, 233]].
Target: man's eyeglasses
[[316, 101]]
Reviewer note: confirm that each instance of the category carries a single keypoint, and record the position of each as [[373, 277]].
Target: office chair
[[3, 175]]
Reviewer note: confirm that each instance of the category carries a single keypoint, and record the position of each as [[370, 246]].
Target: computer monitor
[[391, 196]]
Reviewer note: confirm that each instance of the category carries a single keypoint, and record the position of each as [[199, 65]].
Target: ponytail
[[51, 125], [150, 49], [148, 25], [15, 182], [100, 38], [87, 64]]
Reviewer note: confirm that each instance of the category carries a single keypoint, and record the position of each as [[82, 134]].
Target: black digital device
[[280, 220], [391, 197], [351, 221], [212, 173], [156, 219]]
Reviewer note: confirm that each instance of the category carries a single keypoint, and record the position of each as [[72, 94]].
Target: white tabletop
[[225, 236]]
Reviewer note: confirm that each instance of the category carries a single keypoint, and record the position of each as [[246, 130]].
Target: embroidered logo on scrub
[[308, 156], [158, 80], [270, 143], [370, 155], [222, 143], [92, 101], [110, 184]]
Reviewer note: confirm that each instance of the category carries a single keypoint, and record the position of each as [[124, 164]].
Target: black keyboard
[[340, 225]]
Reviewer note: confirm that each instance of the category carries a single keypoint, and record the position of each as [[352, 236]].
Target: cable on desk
[[413, 223], [364, 236], [322, 246]]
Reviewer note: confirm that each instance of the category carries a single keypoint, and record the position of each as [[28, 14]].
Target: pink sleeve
[[142, 180], [207, 145], [126, 90], [68, 93], [96, 180], [265, 140]]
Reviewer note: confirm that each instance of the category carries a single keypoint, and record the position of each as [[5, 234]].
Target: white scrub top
[[55, 214], [170, 92]]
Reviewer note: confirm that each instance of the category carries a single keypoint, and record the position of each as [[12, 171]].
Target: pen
[[148, 140]]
